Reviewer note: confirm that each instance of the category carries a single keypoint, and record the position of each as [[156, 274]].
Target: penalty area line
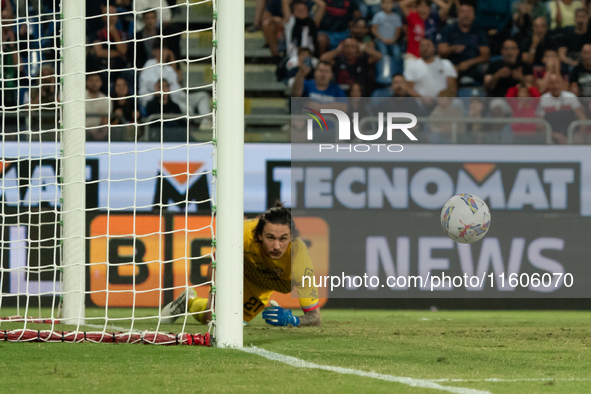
[[296, 362]]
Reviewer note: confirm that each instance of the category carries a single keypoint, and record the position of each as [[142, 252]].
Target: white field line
[[296, 362], [514, 380]]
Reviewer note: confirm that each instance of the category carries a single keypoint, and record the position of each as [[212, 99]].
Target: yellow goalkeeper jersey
[[267, 274]]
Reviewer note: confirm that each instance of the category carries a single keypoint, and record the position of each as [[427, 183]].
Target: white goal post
[[230, 118], [73, 161]]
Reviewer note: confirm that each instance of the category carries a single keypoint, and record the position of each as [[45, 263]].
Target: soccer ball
[[465, 218]]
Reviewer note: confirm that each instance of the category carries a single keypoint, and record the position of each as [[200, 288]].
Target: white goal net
[[108, 169]]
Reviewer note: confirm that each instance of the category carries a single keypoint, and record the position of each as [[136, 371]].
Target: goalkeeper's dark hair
[[277, 214]]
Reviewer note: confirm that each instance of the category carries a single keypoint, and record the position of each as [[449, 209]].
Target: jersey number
[[253, 302]]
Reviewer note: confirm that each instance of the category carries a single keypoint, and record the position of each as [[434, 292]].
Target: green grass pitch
[[551, 347]]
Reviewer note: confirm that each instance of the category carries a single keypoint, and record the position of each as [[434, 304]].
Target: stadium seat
[[259, 77]]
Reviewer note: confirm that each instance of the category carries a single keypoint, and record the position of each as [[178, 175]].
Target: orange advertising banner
[[168, 254]]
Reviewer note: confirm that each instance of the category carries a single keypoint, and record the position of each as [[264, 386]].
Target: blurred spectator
[[399, 100], [476, 110], [466, 46], [562, 12], [171, 31], [441, 132], [524, 99], [145, 38], [162, 103], [498, 133], [300, 28], [160, 68], [98, 109], [559, 107], [580, 79], [109, 49], [430, 74], [533, 47], [163, 16], [360, 31], [422, 22], [524, 13], [156, 68], [551, 65], [508, 72], [403, 102], [399, 87], [334, 26], [494, 17], [351, 63], [386, 27], [574, 37], [288, 73], [320, 89], [34, 38], [271, 22], [124, 106], [6, 10], [356, 103], [124, 5], [45, 93], [9, 65], [258, 13]]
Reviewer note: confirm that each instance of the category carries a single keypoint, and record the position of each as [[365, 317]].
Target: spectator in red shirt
[[421, 23], [524, 99]]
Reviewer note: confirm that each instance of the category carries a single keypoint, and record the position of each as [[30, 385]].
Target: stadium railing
[[570, 132], [151, 133], [454, 121]]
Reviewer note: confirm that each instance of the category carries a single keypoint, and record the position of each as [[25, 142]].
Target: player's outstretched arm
[[277, 316], [311, 318]]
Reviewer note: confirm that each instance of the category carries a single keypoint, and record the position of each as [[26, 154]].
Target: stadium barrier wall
[[539, 199]]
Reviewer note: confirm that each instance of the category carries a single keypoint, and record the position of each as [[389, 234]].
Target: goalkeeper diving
[[273, 256]]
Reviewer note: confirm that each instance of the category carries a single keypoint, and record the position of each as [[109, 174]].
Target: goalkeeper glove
[[277, 316]]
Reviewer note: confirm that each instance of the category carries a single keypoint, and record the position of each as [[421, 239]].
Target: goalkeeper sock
[[198, 305]]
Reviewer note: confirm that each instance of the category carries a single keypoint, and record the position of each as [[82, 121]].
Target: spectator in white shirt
[[154, 70], [430, 75], [159, 68], [164, 13], [98, 108], [559, 107]]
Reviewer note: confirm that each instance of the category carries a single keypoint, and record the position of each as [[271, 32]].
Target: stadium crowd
[[521, 58], [493, 54], [127, 59]]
